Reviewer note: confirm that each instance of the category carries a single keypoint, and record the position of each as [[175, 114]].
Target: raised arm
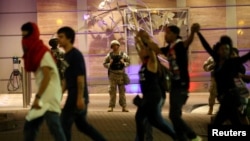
[[195, 28], [142, 47], [147, 41], [245, 58], [245, 78], [152, 64], [205, 44]]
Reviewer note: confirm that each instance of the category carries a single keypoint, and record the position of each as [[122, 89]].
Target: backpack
[[164, 77]]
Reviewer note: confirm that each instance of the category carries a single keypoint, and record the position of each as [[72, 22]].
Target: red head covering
[[34, 49]]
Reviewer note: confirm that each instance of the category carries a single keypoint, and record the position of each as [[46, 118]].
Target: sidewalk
[[115, 126]]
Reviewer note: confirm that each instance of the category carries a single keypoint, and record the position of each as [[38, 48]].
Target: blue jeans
[[148, 127], [31, 128], [178, 98], [79, 117], [151, 112]]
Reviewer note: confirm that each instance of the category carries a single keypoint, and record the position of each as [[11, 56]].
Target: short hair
[[175, 29], [69, 33]]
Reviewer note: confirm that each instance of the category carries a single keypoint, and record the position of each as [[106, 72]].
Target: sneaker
[[124, 109], [110, 109], [198, 138]]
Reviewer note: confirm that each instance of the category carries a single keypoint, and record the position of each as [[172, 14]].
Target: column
[[231, 20], [181, 3]]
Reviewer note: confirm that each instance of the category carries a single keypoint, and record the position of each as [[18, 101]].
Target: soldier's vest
[[117, 64]]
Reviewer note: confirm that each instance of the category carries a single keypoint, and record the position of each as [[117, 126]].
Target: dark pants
[[178, 98], [148, 126], [53, 121], [79, 118], [151, 112], [228, 110]]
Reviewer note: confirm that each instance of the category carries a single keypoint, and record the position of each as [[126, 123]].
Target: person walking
[[227, 68], [75, 82], [116, 61], [149, 107], [177, 55], [46, 105], [167, 87]]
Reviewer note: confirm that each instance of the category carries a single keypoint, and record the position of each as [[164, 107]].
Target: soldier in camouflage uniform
[[208, 66], [59, 56], [115, 62]]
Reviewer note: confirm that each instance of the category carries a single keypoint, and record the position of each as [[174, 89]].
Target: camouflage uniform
[[116, 79], [59, 57], [208, 66], [60, 62]]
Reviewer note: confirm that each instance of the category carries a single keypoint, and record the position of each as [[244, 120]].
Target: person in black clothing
[[75, 108], [149, 107], [226, 69], [177, 55], [162, 53], [243, 99]]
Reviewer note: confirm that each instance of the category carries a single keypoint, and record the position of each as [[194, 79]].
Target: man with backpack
[[115, 62]]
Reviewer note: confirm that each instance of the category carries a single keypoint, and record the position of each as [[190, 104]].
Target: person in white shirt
[[46, 105]]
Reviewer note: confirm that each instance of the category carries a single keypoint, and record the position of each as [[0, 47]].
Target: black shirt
[[149, 83], [181, 53], [76, 67], [224, 74]]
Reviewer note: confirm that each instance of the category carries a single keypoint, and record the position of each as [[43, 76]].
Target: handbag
[[126, 79], [138, 101]]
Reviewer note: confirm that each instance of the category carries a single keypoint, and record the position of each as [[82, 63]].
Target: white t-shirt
[[51, 98]]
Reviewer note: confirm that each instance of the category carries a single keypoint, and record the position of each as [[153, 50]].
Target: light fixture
[[59, 22], [240, 32], [86, 16], [108, 1], [241, 22], [102, 5]]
